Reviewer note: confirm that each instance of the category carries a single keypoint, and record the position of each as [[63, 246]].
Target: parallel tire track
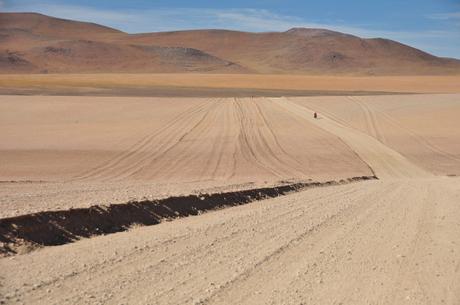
[[135, 150]]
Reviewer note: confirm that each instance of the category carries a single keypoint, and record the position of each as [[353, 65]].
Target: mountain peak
[[314, 32], [33, 42]]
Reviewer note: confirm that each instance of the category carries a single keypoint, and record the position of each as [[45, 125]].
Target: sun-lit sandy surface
[[424, 128], [176, 186], [387, 241], [378, 242], [81, 83], [64, 152]]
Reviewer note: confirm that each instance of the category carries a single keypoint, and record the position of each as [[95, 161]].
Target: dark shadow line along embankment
[[52, 228], [177, 91]]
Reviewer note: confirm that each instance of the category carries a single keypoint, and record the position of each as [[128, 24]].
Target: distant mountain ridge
[[35, 43]]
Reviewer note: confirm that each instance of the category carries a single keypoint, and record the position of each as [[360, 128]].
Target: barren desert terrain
[[421, 127], [35, 43], [388, 241], [221, 85], [177, 144], [305, 166], [382, 242]]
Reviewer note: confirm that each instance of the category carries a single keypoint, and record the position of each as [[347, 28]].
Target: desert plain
[[392, 239], [225, 167]]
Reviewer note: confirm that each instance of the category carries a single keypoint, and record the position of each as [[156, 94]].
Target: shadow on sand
[[51, 228]]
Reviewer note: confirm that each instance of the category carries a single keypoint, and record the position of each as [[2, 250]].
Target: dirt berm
[[51, 228]]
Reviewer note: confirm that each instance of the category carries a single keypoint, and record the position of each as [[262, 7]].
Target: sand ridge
[[395, 239]]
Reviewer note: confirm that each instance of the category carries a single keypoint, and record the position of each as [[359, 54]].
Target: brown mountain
[[36, 43]]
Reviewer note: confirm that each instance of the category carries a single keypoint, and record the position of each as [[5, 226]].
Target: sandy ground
[[424, 128], [384, 242], [64, 152], [391, 241], [68, 152], [171, 84]]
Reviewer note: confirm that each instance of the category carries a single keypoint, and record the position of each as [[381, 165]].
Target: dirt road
[[382, 242], [391, 241], [423, 128], [384, 161]]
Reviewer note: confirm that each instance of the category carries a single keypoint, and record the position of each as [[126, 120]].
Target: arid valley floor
[[391, 238], [257, 160]]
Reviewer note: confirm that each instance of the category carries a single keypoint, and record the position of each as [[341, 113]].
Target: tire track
[[135, 150], [370, 118], [269, 147], [284, 157], [232, 239], [247, 141], [421, 140], [227, 141], [153, 165], [322, 234], [265, 150], [384, 161], [332, 134], [376, 131], [168, 141]]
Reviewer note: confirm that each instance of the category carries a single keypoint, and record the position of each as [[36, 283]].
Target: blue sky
[[431, 25]]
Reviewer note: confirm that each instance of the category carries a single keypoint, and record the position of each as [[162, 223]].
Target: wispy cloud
[[165, 19], [134, 21], [445, 16], [257, 20], [68, 11]]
